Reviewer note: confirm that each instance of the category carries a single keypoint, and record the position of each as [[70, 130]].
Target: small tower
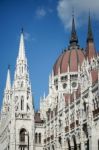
[[8, 81], [7, 94], [74, 37], [22, 97]]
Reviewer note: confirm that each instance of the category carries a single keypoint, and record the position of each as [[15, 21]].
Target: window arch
[[22, 135], [22, 103]]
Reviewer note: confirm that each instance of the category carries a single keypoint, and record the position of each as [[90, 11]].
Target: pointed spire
[[74, 38], [90, 50], [90, 34], [21, 47], [8, 81]]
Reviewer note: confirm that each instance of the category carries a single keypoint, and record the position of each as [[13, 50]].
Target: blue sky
[[46, 25]]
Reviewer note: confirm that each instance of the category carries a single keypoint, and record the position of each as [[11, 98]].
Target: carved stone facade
[[71, 109]]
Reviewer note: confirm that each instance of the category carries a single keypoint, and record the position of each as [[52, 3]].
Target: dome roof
[[70, 58]]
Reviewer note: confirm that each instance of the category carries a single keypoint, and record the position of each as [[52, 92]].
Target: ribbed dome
[[70, 58]]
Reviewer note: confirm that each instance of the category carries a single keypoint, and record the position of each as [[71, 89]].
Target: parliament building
[[68, 117]]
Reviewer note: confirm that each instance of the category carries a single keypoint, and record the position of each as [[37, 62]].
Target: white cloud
[[28, 37], [40, 12], [81, 8]]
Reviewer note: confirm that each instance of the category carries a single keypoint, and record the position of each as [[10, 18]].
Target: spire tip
[[9, 67], [74, 38], [90, 34], [22, 30]]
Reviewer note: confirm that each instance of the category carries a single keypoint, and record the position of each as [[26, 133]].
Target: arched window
[[36, 138], [53, 147], [28, 108], [22, 135], [39, 137], [22, 84], [22, 103]]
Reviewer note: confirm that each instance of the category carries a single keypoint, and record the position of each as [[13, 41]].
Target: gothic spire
[[8, 81], [90, 50], [90, 34], [21, 55], [74, 38]]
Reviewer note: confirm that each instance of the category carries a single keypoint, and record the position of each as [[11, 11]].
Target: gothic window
[[94, 104], [22, 84], [60, 140], [28, 108], [84, 106], [60, 122], [36, 138], [56, 87], [22, 103], [51, 114], [22, 135], [39, 137], [63, 78]]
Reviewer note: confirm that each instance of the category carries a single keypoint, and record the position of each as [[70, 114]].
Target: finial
[[74, 38], [22, 30], [9, 66]]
